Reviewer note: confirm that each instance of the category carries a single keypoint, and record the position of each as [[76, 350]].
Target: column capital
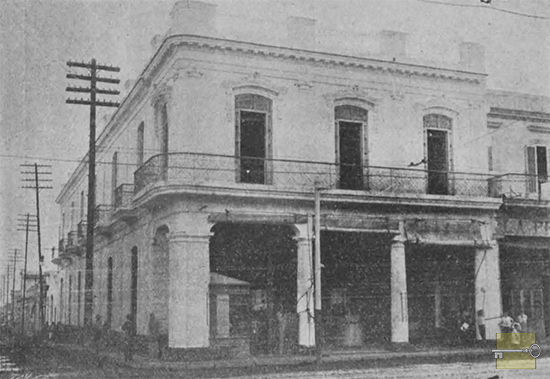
[[174, 237]]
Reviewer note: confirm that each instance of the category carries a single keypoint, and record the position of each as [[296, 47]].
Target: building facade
[[208, 171]]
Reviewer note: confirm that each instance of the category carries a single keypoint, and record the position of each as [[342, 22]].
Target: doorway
[[252, 149], [438, 162], [134, 286], [351, 170]]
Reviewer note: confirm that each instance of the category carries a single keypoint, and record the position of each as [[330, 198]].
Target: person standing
[[506, 323], [481, 324], [154, 332], [128, 329]]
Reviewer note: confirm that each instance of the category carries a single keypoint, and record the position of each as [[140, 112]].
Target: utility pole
[[13, 258], [38, 187], [93, 68], [27, 229], [7, 295]]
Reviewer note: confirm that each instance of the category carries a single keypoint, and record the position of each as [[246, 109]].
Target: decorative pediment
[[354, 96], [255, 83]]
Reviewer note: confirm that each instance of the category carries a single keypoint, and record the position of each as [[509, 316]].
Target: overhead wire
[[488, 7]]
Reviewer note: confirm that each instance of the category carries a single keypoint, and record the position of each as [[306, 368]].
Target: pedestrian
[[506, 323], [128, 329], [481, 324], [516, 338], [522, 319], [97, 332], [154, 332]]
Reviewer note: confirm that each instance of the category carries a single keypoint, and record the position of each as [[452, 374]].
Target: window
[[134, 286], [537, 167], [82, 197], [253, 136], [437, 128], [350, 126], [140, 143], [109, 290], [114, 176], [79, 294], [490, 157], [161, 114], [70, 300], [72, 216]]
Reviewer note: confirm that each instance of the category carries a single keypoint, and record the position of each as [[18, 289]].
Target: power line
[[489, 7]]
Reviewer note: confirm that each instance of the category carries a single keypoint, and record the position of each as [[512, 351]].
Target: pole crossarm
[[40, 187], [92, 64], [98, 103], [89, 90]]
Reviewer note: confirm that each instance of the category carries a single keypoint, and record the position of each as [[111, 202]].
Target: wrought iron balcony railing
[[517, 186], [213, 170], [124, 194]]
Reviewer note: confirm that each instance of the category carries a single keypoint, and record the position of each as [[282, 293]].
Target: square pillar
[[188, 324], [487, 288], [399, 303], [305, 290]]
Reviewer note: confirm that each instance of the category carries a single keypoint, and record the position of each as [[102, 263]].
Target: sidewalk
[[330, 358]]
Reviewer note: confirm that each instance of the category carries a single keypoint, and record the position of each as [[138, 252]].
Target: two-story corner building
[[207, 176], [519, 129]]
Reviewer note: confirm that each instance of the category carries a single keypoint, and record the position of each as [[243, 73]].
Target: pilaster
[[189, 268], [305, 287], [487, 288], [399, 304]]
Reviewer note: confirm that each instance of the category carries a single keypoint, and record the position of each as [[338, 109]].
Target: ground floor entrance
[[526, 287], [356, 289], [257, 263], [441, 293]]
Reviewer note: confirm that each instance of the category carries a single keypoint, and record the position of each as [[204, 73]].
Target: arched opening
[[257, 265], [159, 293], [109, 291], [134, 286]]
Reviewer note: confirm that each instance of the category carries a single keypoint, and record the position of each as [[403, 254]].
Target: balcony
[[124, 194], [102, 219], [520, 186], [82, 231], [63, 253], [191, 169]]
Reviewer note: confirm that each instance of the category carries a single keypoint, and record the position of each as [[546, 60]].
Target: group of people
[[508, 325]]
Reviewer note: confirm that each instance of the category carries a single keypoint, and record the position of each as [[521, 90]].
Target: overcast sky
[[39, 36]]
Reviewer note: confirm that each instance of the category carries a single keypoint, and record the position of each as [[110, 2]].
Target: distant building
[[205, 195]]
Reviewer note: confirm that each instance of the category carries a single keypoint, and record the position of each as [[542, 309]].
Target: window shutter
[[269, 149], [531, 169]]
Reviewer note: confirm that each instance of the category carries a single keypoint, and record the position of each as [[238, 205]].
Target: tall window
[[537, 167], [82, 201], [351, 124], [61, 300], [253, 136], [437, 129], [161, 111], [79, 294], [72, 215], [109, 291], [70, 300], [114, 176], [134, 285], [140, 143]]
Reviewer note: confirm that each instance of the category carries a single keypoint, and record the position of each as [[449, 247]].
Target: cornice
[[517, 114], [308, 56]]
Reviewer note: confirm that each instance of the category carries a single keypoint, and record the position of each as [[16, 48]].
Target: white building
[[205, 193]]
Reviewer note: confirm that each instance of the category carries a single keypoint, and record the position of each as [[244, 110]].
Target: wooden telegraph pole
[[93, 68], [37, 186], [29, 223]]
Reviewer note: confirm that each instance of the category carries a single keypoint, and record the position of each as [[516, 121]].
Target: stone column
[[399, 304], [487, 287], [305, 294], [437, 300], [188, 324]]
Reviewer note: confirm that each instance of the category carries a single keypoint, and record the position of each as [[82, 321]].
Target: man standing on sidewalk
[[128, 329]]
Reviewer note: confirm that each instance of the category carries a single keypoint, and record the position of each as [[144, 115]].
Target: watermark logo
[[516, 351]]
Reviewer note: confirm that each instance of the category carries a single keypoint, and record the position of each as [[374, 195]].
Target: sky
[[38, 37]]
